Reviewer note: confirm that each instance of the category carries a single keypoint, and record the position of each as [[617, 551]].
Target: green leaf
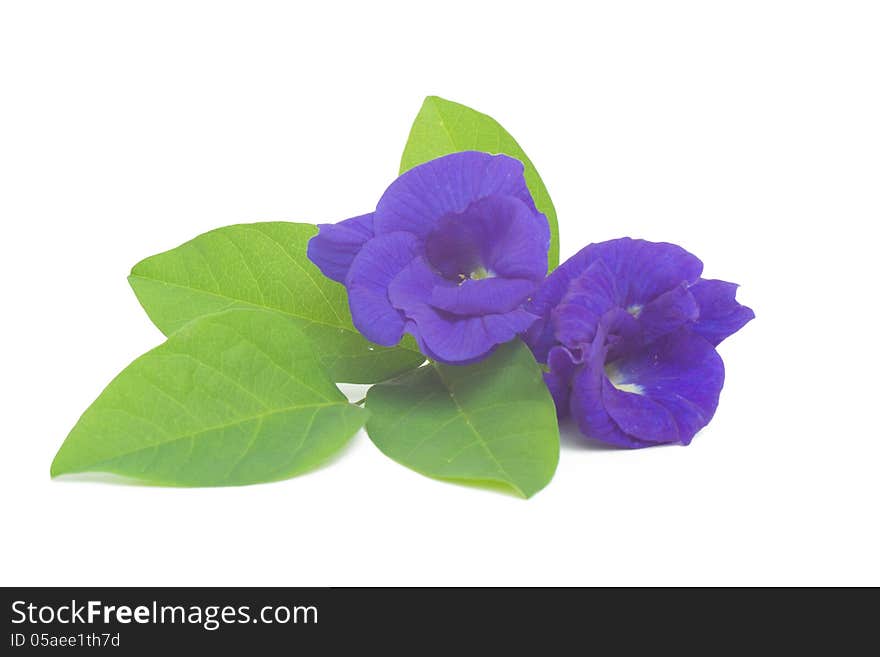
[[232, 398], [264, 265], [491, 422], [443, 127]]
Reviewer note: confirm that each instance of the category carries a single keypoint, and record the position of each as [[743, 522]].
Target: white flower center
[[617, 380]]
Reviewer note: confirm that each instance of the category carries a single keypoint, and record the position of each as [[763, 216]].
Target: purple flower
[[628, 329], [452, 253]]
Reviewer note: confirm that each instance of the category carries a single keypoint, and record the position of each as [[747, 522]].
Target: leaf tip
[[56, 468], [135, 282], [65, 461], [138, 267]]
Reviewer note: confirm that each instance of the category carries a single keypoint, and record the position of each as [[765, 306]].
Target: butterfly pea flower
[[451, 255], [628, 331]]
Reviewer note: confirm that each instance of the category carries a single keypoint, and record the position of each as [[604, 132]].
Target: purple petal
[[574, 325], [668, 312], [640, 271], [588, 298], [504, 327], [413, 330], [680, 372], [334, 247], [462, 340], [442, 335], [624, 333], [594, 288], [720, 315], [412, 287], [552, 289], [539, 337], [449, 184], [639, 416], [379, 261], [579, 281], [664, 392], [587, 404], [558, 379], [496, 234], [644, 270], [518, 236], [478, 297], [629, 272]]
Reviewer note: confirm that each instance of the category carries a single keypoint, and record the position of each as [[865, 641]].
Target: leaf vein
[[201, 432]]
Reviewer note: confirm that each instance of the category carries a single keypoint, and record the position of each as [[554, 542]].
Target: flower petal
[[445, 336], [539, 337], [448, 184], [519, 236], [498, 234], [411, 288], [639, 416], [681, 372], [587, 404], [574, 325], [640, 271], [461, 340], [335, 246], [588, 298], [643, 270], [624, 331], [558, 379], [595, 280], [662, 393], [668, 312], [721, 315], [479, 297], [624, 272], [595, 289], [379, 261]]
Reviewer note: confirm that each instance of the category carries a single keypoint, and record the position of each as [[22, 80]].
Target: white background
[[748, 132]]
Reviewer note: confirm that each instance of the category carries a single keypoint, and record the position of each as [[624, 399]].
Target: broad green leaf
[[264, 265], [443, 127], [232, 398], [491, 422]]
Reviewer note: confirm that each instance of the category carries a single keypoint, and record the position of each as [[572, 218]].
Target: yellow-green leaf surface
[[264, 265], [443, 127], [232, 398], [491, 422]]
